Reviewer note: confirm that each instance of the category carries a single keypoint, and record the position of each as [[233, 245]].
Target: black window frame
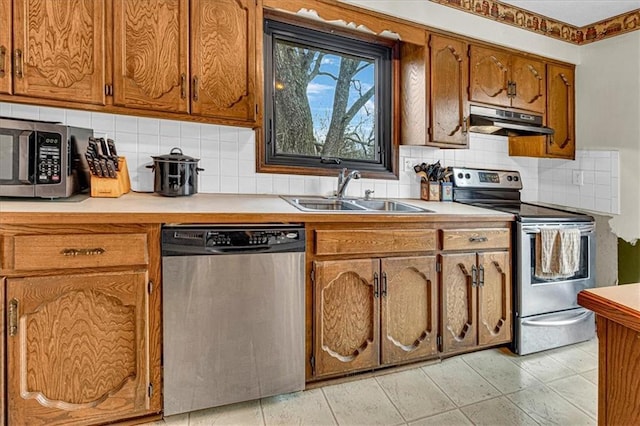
[[383, 52]]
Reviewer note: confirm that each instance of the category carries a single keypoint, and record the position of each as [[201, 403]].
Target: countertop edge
[[627, 315]]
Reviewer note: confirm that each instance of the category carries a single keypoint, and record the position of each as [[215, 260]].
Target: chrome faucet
[[344, 179]]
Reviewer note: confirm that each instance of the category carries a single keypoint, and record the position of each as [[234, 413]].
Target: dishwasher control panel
[[218, 239]]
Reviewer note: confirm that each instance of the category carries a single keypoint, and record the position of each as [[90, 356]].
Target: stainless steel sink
[[355, 205], [388, 206], [322, 204]]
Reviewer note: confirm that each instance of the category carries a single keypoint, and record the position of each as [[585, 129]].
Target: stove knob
[[509, 178], [460, 175], [467, 176], [516, 178]]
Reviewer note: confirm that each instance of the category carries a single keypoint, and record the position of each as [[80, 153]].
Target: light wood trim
[[365, 241], [331, 10], [475, 239], [51, 251]]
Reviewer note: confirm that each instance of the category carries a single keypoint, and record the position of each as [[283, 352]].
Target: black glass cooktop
[[526, 212]]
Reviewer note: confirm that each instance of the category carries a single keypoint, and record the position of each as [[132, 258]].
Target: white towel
[[557, 253]]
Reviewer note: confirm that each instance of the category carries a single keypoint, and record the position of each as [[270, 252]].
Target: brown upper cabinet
[[151, 54], [223, 61], [560, 117], [561, 110], [59, 50], [151, 57], [5, 47], [506, 79], [448, 106], [170, 56]]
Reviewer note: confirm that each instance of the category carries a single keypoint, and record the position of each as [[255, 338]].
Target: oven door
[[538, 296], [17, 161]]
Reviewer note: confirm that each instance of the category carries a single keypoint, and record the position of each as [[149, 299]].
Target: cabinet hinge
[[150, 287], [438, 267], [439, 343], [150, 390], [313, 276], [312, 361], [13, 317]]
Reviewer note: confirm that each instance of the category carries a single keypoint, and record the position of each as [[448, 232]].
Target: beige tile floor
[[491, 387]]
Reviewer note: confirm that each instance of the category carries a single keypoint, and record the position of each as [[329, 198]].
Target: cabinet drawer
[[34, 252], [462, 239], [363, 241]]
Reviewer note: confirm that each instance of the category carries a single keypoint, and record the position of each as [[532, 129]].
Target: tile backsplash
[[227, 155]]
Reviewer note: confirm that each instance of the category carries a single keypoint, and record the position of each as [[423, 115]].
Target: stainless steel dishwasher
[[233, 306]]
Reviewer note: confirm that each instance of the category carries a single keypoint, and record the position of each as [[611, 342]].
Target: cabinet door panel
[[347, 316], [560, 111], [459, 329], [448, 106], [223, 46], [59, 49], [490, 76], [80, 349], [150, 54], [408, 308], [531, 84], [494, 298], [6, 49]]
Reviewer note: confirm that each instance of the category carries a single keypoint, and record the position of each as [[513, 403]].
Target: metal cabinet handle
[[18, 63], [82, 252], [384, 284], [3, 53], [474, 276], [195, 88], [465, 125], [376, 285], [13, 317], [478, 239], [480, 276], [183, 86]]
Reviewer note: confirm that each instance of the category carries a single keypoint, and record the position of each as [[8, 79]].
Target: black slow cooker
[[175, 174]]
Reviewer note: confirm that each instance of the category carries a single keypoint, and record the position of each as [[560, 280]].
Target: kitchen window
[[328, 102]]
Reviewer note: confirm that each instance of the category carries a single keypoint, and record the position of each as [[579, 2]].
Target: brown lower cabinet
[[82, 332], [476, 300], [372, 312]]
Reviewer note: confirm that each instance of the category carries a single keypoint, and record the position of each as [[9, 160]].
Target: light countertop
[[152, 208]]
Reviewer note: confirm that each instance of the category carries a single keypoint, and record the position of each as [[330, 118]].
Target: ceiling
[[578, 13]]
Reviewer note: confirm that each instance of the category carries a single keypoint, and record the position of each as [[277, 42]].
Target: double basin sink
[[315, 204]]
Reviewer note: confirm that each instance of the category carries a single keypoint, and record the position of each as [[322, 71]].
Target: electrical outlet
[[578, 177], [408, 164]]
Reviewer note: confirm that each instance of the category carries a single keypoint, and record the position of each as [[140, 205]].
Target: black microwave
[[41, 159]]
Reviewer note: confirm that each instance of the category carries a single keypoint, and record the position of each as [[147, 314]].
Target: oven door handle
[[584, 229], [572, 319]]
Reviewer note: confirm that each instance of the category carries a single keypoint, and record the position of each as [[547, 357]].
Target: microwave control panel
[[49, 158]]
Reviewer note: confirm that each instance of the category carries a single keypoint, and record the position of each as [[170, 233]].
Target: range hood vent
[[497, 121]]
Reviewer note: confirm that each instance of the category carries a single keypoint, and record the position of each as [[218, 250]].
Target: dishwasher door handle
[[235, 250]]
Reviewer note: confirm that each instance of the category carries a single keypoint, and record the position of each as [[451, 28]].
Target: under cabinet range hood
[[503, 122]]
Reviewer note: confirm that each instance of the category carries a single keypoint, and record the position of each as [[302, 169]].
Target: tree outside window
[[328, 100]]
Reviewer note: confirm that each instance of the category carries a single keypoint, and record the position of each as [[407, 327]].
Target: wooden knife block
[[112, 188]]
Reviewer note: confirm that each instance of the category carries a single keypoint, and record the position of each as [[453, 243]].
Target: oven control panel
[[483, 178]]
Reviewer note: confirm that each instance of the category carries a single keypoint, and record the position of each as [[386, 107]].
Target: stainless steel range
[[546, 313]]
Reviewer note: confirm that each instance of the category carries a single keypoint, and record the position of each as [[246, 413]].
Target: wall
[[607, 111], [449, 19], [228, 155]]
